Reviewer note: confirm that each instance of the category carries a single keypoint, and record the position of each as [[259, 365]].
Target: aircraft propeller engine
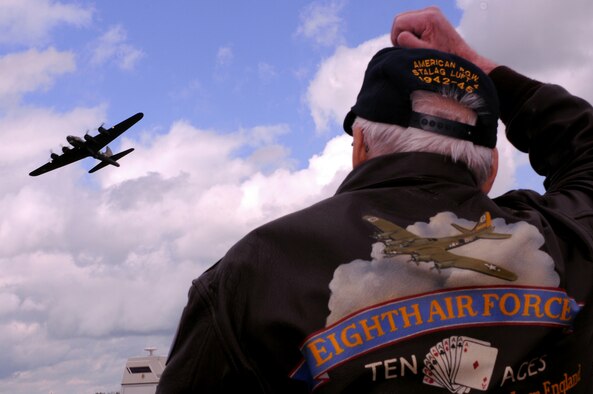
[[65, 149], [88, 137]]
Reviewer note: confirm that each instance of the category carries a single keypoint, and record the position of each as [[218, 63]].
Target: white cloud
[[85, 268], [184, 149], [322, 23], [509, 160], [29, 21], [112, 46], [544, 39], [334, 88], [32, 70], [43, 130]]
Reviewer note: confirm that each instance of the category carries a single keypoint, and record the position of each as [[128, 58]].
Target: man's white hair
[[382, 138]]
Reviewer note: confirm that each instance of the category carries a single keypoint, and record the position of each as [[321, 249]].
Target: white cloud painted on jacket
[[362, 283]]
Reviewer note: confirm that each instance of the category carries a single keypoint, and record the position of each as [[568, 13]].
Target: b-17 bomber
[[398, 241], [90, 146]]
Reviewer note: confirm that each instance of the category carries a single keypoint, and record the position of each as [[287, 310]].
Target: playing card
[[475, 340], [436, 372], [444, 356], [439, 356], [444, 362], [430, 379], [447, 348], [476, 364], [456, 345]]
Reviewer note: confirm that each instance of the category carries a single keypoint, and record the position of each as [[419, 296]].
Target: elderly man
[[411, 279]]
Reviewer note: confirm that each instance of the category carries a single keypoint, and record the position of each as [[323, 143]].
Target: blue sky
[[221, 65], [243, 105]]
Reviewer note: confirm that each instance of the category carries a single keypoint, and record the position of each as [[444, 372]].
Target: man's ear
[[359, 151], [487, 186]]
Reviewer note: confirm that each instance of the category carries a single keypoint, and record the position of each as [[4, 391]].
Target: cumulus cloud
[[113, 47], [89, 266], [334, 88], [322, 23], [510, 159], [44, 131], [545, 39], [28, 71], [28, 22]]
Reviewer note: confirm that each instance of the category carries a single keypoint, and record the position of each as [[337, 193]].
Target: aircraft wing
[[70, 156], [101, 140], [389, 229], [115, 157], [444, 259]]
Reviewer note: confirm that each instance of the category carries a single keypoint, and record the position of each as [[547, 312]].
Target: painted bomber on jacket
[[447, 273]]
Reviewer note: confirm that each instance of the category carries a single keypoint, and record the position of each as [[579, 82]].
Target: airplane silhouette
[[91, 146]]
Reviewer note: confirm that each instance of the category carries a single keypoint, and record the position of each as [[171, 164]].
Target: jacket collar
[[400, 169]]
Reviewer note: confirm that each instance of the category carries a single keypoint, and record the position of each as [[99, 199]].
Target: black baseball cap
[[395, 72]]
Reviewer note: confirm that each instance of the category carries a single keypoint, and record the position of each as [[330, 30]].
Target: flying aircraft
[[398, 241], [90, 146]]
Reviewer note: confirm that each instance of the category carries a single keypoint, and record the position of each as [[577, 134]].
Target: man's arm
[[554, 127], [428, 28], [197, 355], [202, 357]]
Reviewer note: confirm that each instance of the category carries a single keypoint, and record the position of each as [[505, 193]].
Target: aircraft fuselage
[[415, 245], [399, 241], [79, 143]]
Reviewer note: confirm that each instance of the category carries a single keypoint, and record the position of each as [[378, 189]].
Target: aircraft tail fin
[[484, 228], [113, 157]]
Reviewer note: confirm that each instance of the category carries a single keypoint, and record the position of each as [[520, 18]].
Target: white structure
[[142, 374]]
